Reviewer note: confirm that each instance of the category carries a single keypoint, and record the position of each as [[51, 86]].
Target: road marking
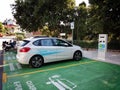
[[51, 69], [8, 58], [18, 85], [61, 83], [64, 85], [4, 65], [12, 68], [4, 77], [31, 85], [18, 66], [58, 85], [11, 57], [14, 57]]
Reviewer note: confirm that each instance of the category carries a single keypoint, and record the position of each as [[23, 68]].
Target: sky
[[6, 12], [79, 1]]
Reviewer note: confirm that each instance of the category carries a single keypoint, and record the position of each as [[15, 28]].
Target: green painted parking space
[[86, 74]]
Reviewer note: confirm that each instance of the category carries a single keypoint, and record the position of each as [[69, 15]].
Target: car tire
[[77, 56], [36, 61]]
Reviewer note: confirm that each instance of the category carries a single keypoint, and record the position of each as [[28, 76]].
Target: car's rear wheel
[[77, 56], [36, 61]]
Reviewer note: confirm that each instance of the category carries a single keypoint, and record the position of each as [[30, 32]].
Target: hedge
[[94, 44]]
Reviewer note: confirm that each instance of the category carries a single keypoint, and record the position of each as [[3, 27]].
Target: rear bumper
[[22, 59]]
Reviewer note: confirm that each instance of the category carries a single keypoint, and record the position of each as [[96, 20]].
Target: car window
[[37, 43], [46, 42], [59, 42], [24, 42]]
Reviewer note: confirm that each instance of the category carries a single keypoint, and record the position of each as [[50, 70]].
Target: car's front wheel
[[77, 56], [36, 61]]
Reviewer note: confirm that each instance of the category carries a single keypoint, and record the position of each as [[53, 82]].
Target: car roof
[[36, 38], [39, 36], [32, 39]]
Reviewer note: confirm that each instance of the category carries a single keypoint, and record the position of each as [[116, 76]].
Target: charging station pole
[[72, 28], [102, 46]]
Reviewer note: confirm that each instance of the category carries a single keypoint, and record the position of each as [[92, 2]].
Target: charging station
[[102, 46]]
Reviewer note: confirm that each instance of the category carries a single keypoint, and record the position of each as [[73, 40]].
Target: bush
[[87, 44], [114, 45], [20, 37], [94, 44]]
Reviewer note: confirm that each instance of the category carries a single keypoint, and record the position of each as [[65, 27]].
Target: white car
[[40, 50]]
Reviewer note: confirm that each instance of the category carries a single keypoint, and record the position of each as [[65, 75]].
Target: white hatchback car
[[36, 51]]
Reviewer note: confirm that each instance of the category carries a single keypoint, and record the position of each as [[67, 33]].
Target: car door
[[64, 49], [46, 49]]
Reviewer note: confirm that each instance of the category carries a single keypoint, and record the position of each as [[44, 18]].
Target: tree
[[1, 27], [80, 21], [33, 14], [107, 17]]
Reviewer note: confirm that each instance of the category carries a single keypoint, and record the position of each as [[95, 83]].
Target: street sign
[[72, 25]]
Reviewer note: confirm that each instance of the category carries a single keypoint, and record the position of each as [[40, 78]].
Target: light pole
[[72, 24], [62, 34]]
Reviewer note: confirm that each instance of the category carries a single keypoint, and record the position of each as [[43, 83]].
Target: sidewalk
[[111, 57]]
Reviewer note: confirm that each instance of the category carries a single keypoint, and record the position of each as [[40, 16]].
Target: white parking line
[[18, 66], [8, 58], [64, 85], [12, 68], [13, 57], [59, 83], [3, 65]]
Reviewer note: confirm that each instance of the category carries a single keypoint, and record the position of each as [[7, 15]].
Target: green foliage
[[86, 43], [46, 31], [102, 16], [80, 22], [20, 36], [33, 14], [105, 16], [1, 27], [114, 45], [94, 44]]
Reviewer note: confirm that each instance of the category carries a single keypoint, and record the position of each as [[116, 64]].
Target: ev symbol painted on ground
[[30, 85], [61, 83]]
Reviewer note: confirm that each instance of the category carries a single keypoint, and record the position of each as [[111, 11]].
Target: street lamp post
[[72, 24]]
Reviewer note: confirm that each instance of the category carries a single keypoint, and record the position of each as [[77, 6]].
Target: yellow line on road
[[51, 69], [4, 77]]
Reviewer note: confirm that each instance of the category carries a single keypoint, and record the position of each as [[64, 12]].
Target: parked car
[[37, 51]]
